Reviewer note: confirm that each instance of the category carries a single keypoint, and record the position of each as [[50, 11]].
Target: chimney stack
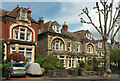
[[41, 23], [65, 27], [29, 11]]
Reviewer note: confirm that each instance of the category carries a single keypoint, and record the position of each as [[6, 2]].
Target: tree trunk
[[107, 59]]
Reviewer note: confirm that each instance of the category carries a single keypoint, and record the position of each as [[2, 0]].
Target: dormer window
[[56, 28], [100, 45], [23, 17], [89, 36]]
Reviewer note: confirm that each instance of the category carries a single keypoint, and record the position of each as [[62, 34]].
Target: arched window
[[22, 33], [90, 48], [57, 44]]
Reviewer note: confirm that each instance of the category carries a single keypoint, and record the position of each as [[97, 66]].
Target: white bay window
[[29, 54], [16, 32], [13, 49], [22, 34], [21, 51]]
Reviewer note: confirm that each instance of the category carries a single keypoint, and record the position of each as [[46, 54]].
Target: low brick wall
[[57, 73], [89, 73]]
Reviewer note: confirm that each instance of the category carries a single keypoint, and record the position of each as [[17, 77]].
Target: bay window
[[13, 50], [29, 54], [22, 34], [21, 51], [28, 36], [16, 34]]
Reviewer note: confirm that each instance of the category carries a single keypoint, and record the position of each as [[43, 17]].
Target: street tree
[[106, 30]]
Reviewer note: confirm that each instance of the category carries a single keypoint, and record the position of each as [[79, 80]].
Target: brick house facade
[[19, 32], [70, 47]]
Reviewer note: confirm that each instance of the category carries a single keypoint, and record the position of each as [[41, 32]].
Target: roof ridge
[[4, 10], [12, 10]]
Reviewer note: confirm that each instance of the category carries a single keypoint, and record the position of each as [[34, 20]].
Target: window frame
[[29, 57], [13, 51], [78, 48], [22, 32], [23, 17], [14, 34], [21, 50], [30, 36], [69, 47]]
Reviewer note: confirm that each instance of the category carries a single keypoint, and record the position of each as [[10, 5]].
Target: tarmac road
[[66, 80]]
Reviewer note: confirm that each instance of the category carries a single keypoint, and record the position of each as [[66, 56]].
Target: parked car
[[33, 69], [17, 69]]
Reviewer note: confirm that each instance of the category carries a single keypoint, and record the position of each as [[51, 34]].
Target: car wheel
[[24, 76]]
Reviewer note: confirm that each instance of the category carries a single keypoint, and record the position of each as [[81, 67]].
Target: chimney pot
[[41, 23], [65, 27]]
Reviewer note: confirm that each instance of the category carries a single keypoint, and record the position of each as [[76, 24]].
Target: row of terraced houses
[[22, 34]]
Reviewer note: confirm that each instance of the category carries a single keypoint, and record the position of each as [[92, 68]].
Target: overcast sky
[[59, 11]]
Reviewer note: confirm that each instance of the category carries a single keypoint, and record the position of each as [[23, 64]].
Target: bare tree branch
[[114, 20], [86, 12], [97, 6], [116, 32], [111, 5]]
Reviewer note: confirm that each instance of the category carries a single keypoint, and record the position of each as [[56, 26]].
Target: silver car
[[17, 69]]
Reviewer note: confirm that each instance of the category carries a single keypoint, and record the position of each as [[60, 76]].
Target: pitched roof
[[14, 13], [3, 12], [78, 34]]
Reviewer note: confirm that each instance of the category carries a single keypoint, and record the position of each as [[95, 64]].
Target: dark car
[[17, 69]]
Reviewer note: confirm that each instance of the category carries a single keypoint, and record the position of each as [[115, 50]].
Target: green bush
[[81, 64], [52, 63], [49, 63], [5, 69], [40, 61], [88, 67]]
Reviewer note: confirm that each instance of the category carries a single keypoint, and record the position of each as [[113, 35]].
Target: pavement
[[114, 77]]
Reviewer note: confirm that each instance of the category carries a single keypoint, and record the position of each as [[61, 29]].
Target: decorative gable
[[22, 14], [56, 27]]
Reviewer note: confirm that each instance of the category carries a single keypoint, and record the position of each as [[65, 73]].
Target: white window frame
[[73, 62], [29, 52], [21, 50], [81, 59], [90, 49], [57, 44], [14, 34], [69, 47], [100, 45], [70, 63], [53, 46], [23, 16], [25, 34], [12, 51], [78, 48], [22, 32], [61, 46], [62, 58], [30, 36]]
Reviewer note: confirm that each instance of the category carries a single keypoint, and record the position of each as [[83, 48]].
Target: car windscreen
[[18, 65]]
